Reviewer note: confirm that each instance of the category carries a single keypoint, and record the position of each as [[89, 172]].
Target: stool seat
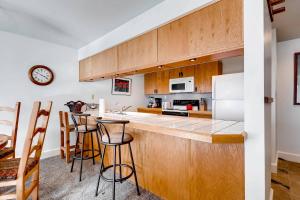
[[116, 138], [88, 128]]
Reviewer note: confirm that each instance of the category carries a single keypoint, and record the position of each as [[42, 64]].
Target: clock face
[[41, 75]]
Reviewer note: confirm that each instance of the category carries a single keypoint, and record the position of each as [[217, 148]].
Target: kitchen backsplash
[[185, 96]]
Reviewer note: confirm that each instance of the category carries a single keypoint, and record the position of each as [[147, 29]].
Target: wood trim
[[296, 78]]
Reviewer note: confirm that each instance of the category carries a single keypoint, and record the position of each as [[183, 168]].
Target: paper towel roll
[[101, 106]]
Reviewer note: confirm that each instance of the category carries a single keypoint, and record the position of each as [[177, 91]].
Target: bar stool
[[82, 128], [115, 140]]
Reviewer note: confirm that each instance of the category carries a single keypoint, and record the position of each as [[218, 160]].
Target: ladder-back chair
[[9, 151], [15, 172]]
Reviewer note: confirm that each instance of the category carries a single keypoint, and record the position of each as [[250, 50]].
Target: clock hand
[[42, 75]]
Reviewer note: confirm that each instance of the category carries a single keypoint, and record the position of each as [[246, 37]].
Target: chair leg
[[100, 173], [93, 151], [35, 192], [62, 143], [81, 161], [75, 152], [120, 162], [99, 147], [114, 174], [134, 171], [68, 151]]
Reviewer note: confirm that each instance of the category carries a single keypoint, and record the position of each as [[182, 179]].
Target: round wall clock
[[41, 75]]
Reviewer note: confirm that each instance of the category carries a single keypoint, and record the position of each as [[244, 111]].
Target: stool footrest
[[77, 155], [117, 179]]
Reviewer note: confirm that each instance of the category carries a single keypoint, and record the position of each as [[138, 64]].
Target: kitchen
[[175, 93]]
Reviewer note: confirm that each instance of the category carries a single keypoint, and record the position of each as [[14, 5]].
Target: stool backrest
[[36, 128], [13, 124], [64, 119], [103, 129], [80, 120], [76, 106]]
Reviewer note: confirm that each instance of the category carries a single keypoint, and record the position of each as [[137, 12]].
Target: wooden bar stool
[[82, 128], [9, 152], [115, 140], [65, 129]]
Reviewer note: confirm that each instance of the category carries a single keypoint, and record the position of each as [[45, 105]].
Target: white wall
[[18, 54], [257, 53], [233, 65], [288, 115]]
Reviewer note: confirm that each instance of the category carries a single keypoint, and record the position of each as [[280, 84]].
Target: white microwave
[[181, 85]]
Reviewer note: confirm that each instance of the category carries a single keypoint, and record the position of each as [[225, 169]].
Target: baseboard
[[289, 156], [271, 194], [274, 165], [50, 153]]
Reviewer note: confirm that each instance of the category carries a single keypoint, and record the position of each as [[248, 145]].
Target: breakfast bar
[[184, 158]]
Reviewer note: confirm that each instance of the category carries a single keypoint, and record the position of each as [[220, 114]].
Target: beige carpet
[[58, 183]]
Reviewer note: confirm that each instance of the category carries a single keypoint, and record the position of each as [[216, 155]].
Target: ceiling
[[288, 22], [73, 23]]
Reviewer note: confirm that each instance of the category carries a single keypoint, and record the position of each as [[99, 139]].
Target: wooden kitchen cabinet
[[182, 72], [138, 52], [150, 83], [105, 62], [203, 76], [101, 64], [157, 82], [85, 69], [216, 28], [162, 82]]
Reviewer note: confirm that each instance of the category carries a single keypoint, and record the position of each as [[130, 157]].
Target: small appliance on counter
[[181, 107], [154, 102], [166, 105]]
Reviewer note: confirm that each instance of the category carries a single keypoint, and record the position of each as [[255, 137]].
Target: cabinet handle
[[155, 91], [196, 89]]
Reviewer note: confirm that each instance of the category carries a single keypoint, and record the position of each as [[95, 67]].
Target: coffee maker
[[154, 102]]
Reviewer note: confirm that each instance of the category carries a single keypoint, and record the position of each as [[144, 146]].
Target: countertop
[[200, 129]]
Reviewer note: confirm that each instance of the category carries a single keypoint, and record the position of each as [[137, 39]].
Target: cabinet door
[[162, 82], [138, 52], [105, 62], [150, 83], [175, 73], [187, 71], [215, 28], [204, 74], [85, 69]]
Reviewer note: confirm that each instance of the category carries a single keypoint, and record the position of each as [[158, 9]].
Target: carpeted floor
[[286, 182], [58, 183]]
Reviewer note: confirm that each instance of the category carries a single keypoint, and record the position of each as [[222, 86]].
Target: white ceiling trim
[[158, 15]]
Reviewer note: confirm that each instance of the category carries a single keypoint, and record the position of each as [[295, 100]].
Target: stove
[[180, 107]]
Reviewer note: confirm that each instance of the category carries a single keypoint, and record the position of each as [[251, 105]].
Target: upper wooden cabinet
[[105, 62], [101, 64], [182, 72], [214, 29], [85, 69], [150, 83], [138, 52], [204, 74]]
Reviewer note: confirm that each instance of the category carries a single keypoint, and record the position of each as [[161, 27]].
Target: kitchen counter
[[182, 158], [199, 129]]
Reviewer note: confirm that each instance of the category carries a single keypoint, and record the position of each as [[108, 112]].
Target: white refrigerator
[[228, 97]]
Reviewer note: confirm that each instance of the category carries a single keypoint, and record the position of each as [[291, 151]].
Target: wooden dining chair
[[9, 151], [65, 129], [18, 171]]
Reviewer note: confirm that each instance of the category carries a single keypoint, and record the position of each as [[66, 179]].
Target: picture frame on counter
[[121, 86]]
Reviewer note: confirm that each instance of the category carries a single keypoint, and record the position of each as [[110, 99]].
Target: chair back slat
[[33, 130], [6, 122], [14, 123]]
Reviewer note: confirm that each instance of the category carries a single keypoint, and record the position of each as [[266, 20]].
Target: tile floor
[[286, 183]]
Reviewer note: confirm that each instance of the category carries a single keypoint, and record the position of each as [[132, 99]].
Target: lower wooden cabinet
[[203, 76]]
